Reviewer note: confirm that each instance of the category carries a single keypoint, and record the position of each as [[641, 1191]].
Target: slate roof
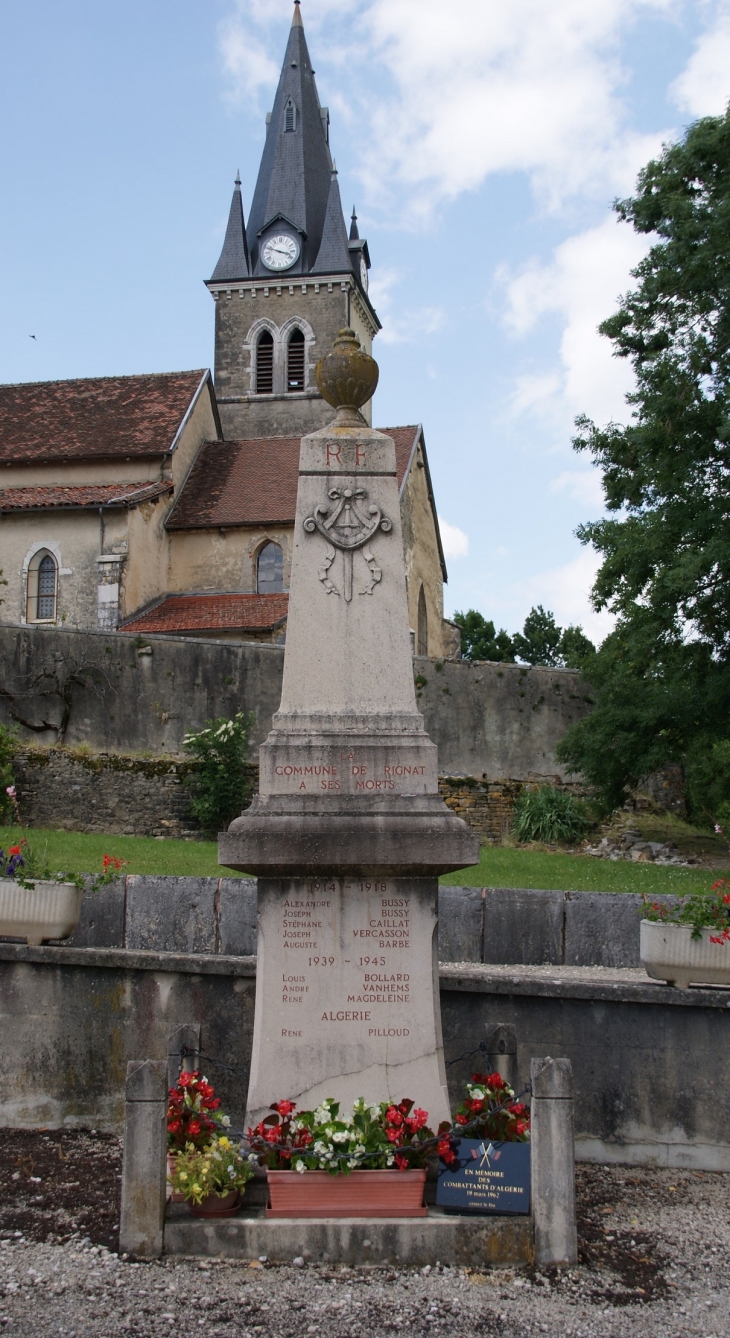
[[334, 255], [295, 171], [254, 482], [81, 496], [110, 417], [233, 262], [211, 613]]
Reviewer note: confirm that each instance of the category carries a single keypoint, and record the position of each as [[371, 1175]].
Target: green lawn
[[504, 866], [82, 852], [499, 866]]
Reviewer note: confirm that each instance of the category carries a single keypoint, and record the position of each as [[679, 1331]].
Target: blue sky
[[483, 142]]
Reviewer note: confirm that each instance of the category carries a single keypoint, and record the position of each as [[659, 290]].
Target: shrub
[[219, 783], [9, 745], [547, 814]]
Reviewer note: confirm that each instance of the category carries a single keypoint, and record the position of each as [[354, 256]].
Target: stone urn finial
[[347, 378]]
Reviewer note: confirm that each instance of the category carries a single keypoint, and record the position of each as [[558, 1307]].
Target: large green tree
[[662, 678]]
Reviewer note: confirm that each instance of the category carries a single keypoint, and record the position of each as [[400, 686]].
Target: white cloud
[[402, 326], [703, 87], [581, 285], [455, 542], [565, 591], [582, 485], [484, 86], [245, 60]]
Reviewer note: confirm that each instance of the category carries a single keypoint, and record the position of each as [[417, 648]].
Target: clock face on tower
[[363, 273], [280, 252]]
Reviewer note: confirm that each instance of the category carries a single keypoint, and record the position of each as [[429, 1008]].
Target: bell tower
[[286, 284]]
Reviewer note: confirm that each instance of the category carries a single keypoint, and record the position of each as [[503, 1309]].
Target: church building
[[165, 503]]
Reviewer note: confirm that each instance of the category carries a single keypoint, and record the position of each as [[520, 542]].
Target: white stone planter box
[[668, 952], [49, 910]]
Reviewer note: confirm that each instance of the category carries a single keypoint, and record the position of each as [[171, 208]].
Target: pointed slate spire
[[233, 262], [333, 256], [294, 176], [354, 233]]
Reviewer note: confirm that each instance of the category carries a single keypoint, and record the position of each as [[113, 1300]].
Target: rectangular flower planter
[[668, 952], [487, 1178], [360, 1194], [49, 910]]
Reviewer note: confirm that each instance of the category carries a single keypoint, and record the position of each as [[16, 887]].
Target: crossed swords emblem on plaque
[[345, 528]]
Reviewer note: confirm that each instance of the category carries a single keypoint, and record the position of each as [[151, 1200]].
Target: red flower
[[392, 1135], [520, 1126], [14, 850], [462, 1119], [185, 1079], [285, 1107], [173, 1126], [195, 1127], [401, 1161], [393, 1115]]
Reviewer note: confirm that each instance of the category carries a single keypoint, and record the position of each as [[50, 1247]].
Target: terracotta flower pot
[[668, 952], [215, 1206], [360, 1194], [171, 1194]]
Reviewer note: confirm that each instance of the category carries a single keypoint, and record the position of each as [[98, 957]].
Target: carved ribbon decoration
[[344, 527]]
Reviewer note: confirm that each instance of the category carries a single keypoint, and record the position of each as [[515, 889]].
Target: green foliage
[[216, 1169], [479, 641], [540, 642], [707, 782], [9, 745], [663, 676], [701, 910], [219, 784], [547, 814]]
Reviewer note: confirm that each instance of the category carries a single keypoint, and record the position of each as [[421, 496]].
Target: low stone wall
[[488, 925], [81, 791], [651, 1064]]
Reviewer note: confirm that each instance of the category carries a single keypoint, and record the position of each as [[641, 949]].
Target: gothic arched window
[[42, 588], [290, 116], [265, 363], [295, 361], [422, 638], [270, 570]]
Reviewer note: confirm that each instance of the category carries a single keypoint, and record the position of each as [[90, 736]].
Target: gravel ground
[[654, 1251]]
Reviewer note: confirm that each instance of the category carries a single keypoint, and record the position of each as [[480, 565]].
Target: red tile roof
[[92, 495], [118, 417], [211, 613], [254, 482]]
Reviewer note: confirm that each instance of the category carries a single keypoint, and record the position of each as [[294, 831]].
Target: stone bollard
[[186, 1037], [143, 1167], [502, 1052], [553, 1162]]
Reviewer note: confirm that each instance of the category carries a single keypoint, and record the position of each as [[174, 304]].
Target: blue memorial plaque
[[486, 1178]]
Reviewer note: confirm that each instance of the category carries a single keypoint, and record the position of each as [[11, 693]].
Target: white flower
[[478, 1093], [299, 1166], [341, 1138], [253, 1159], [225, 1121]]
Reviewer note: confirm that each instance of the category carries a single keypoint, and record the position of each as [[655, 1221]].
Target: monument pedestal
[[347, 1000]]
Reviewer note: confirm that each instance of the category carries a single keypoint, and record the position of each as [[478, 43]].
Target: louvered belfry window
[[295, 362], [290, 116], [265, 364]]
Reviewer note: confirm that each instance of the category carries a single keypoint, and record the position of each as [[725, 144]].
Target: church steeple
[[294, 178], [233, 262], [333, 256]]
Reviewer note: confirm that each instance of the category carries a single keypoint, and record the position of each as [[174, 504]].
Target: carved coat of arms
[[345, 528]]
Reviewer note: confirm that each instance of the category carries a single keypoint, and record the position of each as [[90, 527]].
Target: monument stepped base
[[472, 1242]]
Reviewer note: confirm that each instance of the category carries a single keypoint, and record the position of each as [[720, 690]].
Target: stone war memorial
[[347, 833]]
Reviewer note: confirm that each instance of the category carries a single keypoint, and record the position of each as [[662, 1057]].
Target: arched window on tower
[[42, 588], [295, 361], [422, 638], [265, 363], [270, 570], [290, 116]]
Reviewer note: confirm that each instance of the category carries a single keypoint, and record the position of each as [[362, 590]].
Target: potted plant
[[489, 1171], [38, 903], [689, 941], [211, 1179], [325, 1163], [193, 1118]]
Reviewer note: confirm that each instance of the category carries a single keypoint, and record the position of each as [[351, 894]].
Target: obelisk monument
[[348, 833]]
